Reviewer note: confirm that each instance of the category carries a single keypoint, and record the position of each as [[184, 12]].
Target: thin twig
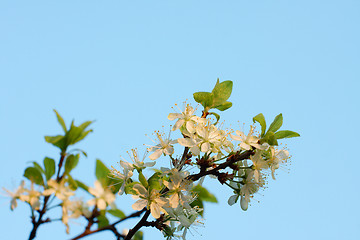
[[140, 224], [232, 159], [110, 227]]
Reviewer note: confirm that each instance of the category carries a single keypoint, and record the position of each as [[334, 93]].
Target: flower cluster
[[173, 195], [71, 207], [168, 194]]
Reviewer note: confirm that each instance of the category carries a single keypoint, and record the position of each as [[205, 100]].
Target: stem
[[40, 221], [53, 206], [230, 186], [183, 159], [141, 223], [58, 178], [205, 113], [232, 159], [37, 223], [110, 227], [51, 200]]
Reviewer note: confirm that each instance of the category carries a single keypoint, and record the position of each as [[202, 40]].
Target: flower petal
[[101, 204], [195, 150], [205, 147], [233, 199], [155, 210], [173, 116], [169, 150], [139, 204], [156, 154]]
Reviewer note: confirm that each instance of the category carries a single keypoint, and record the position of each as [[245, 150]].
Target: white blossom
[[102, 196], [152, 200], [32, 197], [137, 163], [124, 176], [186, 119], [258, 164], [179, 188], [15, 195], [277, 157], [59, 189], [248, 141], [165, 146]]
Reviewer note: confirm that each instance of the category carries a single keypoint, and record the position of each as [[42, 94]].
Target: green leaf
[[138, 235], [142, 179], [73, 134], [204, 98], [154, 181], [53, 139], [102, 173], [216, 115], [82, 185], [49, 164], [72, 183], [286, 134], [271, 139], [83, 135], [38, 167], [102, 221], [58, 141], [276, 124], [34, 175], [222, 92], [84, 125], [71, 162], [261, 119], [224, 106], [204, 194], [117, 213], [61, 121]]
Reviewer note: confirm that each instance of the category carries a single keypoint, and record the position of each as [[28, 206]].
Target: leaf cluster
[[272, 134], [71, 136], [217, 98]]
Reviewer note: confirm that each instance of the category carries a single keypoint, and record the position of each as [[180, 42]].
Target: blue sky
[[126, 63]]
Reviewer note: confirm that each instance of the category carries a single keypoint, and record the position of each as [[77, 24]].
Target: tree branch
[[37, 223], [110, 227], [58, 178], [140, 224], [230, 160]]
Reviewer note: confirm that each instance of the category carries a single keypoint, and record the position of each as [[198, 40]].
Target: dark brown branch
[[157, 224], [110, 227], [135, 214], [205, 113], [37, 223], [183, 158], [140, 224], [58, 178], [230, 160]]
